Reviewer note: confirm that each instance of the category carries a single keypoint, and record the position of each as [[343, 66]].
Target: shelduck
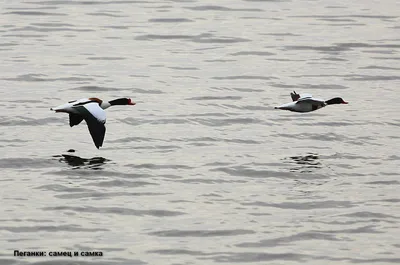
[[306, 103], [92, 111]]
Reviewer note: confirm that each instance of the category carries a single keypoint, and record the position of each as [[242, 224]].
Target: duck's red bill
[[130, 102]]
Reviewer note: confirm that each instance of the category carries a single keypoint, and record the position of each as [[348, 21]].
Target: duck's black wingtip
[[98, 146]]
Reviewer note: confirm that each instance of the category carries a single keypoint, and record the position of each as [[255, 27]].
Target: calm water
[[202, 170]]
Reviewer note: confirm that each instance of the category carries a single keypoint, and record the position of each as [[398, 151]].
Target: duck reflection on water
[[305, 163], [79, 162]]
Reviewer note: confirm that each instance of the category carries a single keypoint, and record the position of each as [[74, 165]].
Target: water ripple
[[41, 78], [304, 205], [170, 20], [33, 13], [222, 8], [49, 228], [115, 210], [201, 233], [287, 240]]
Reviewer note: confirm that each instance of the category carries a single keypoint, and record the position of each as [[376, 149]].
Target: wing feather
[[310, 100], [97, 131], [95, 118], [294, 96], [305, 96], [75, 119]]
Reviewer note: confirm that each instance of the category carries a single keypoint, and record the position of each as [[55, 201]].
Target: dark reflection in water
[[305, 164], [79, 162]]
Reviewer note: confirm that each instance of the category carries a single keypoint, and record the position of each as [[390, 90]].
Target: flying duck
[[92, 111], [306, 103]]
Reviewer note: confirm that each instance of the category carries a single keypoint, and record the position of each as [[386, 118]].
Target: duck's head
[[336, 101], [121, 101]]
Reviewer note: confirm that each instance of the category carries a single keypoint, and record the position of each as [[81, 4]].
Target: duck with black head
[[92, 111], [306, 103]]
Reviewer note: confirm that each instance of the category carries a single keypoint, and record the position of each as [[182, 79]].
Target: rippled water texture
[[202, 170]]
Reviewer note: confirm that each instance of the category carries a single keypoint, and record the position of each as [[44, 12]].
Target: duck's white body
[[92, 111], [306, 103]]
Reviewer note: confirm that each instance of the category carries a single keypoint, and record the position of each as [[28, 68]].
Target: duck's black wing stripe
[[96, 128], [74, 119], [83, 103]]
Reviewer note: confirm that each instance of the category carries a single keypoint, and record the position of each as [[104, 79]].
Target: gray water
[[202, 170]]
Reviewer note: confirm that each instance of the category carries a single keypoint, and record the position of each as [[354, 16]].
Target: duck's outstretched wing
[[308, 98], [68, 107], [294, 96], [74, 119], [97, 131], [310, 103], [300, 97], [95, 118], [305, 96]]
